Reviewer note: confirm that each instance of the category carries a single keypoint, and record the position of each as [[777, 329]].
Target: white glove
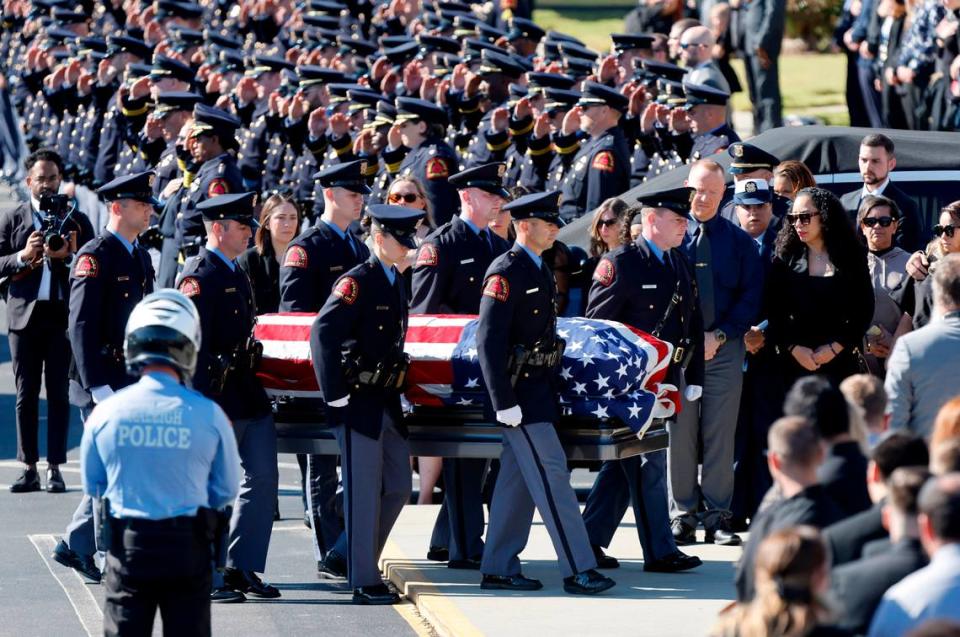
[[405, 405], [510, 417], [692, 393], [101, 393], [340, 402]]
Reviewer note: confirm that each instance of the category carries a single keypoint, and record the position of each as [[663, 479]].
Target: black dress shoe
[[250, 583], [226, 595], [604, 560], [683, 533], [82, 564], [28, 481], [333, 566], [376, 595], [510, 583], [55, 483], [464, 565], [587, 583], [673, 563], [438, 554], [723, 535]]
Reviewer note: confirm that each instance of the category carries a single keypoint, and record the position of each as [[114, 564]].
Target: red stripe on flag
[[430, 373], [427, 334]]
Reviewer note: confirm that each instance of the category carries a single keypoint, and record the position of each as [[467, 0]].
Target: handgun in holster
[[387, 374], [543, 354], [104, 526]]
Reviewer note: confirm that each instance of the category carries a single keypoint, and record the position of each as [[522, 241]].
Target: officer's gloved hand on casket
[[339, 402], [693, 392], [510, 417]]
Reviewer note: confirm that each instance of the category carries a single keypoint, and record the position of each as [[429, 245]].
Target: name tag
[[229, 290], [650, 287], [533, 290], [123, 278], [336, 268], [466, 261], [701, 265], [383, 307]]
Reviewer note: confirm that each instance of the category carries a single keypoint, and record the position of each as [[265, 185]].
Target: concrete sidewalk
[[642, 604]]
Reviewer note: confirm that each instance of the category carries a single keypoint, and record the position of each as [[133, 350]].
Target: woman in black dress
[[819, 293], [279, 223]]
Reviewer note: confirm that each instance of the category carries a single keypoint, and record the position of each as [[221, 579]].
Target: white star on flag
[[601, 381], [580, 388], [575, 346], [623, 371], [564, 373], [600, 412], [466, 402], [634, 410], [472, 383]]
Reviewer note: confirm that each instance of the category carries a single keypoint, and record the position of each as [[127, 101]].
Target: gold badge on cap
[[501, 170], [150, 179], [738, 150], [693, 194], [363, 165], [750, 187]]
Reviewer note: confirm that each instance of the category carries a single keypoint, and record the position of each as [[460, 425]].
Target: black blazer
[[263, 270], [23, 284], [844, 475], [859, 586], [910, 236], [848, 536]]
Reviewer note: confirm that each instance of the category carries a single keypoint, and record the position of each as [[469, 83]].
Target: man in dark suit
[[762, 23], [37, 241], [859, 586], [877, 160]]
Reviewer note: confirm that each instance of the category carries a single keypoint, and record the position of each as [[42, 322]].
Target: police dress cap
[[676, 200], [92, 46], [361, 99], [747, 158], [538, 205], [752, 192], [399, 221], [490, 33], [321, 20], [127, 44], [138, 186], [356, 46], [58, 35], [270, 64], [231, 207], [574, 50], [474, 48], [579, 67], [184, 38], [464, 24], [670, 93], [348, 175], [596, 94], [166, 67], [432, 43], [64, 16], [210, 119], [386, 114], [550, 80], [492, 62], [560, 99], [138, 70], [487, 177], [558, 36], [222, 40], [231, 61], [416, 108], [163, 328], [702, 94], [517, 92], [325, 6], [403, 53], [631, 41], [664, 70], [524, 28], [170, 101], [186, 10]]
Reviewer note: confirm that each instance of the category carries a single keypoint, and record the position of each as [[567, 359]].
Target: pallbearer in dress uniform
[[519, 355], [357, 346]]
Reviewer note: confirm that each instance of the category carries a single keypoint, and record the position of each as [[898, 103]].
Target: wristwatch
[[720, 336]]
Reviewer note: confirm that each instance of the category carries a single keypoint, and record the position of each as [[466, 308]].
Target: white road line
[[78, 593]]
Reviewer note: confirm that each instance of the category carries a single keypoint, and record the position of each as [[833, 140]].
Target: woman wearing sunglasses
[[819, 294], [606, 235], [946, 241], [879, 218]]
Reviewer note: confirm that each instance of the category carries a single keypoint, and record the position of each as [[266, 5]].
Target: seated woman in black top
[[279, 223], [819, 294]]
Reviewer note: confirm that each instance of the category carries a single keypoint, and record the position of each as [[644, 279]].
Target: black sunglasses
[[803, 217], [407, 197], [608, 222], [944, 230], [885, 222]]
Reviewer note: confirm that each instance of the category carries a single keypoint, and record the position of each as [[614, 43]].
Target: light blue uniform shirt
[[537, 261], [230, 264], [655, 249], [158, 450]]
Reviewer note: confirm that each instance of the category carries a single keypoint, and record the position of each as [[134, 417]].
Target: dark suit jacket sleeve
[[909, 235], [772, 25], [9, 252], [746, 309], [493, 348]]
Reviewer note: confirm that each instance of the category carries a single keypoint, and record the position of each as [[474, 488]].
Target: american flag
[[609, 370]]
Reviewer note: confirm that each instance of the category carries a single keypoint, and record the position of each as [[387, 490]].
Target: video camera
[[54, 211]]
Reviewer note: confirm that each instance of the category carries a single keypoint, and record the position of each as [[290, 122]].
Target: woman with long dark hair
[[819, 293], [280, 220]]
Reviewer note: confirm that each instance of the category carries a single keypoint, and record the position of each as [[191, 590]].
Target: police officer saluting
[[111, 274], [366, 317], [519, 355], [447, 279], [313, 262], [649, 285], [225, 373], [161, 472]]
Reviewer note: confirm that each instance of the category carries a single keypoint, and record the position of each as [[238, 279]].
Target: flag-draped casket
[[610, 371]]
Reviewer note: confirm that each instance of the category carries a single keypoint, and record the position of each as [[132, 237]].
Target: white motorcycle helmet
[[163, 328]]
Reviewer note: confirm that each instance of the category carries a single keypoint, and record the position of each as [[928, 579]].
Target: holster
[[683, 352], [104, 525], [544, 356], [221, 537], [386, 374]]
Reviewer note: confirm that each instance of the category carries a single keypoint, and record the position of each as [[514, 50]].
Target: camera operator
[[37, 243]]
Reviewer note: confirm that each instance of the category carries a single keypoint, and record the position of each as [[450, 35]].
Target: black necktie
[[350, 242], [704, 273]]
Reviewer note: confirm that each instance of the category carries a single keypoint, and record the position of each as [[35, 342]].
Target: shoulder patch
[[497, 288], [347, 290], [437, 168], [189, 286], [605, 273], [427, 255], [87, 267], [603, 161], [296, 257], [218, 187]]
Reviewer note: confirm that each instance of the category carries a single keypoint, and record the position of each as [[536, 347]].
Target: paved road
[[40, 597]]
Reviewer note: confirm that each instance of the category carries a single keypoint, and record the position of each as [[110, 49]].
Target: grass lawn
[[811, 84]]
